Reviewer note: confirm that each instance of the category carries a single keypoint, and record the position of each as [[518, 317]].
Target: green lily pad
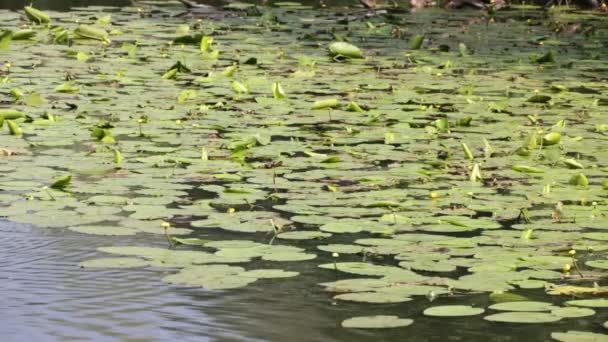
[[589, 303], [268, 273], [523, 317], [114, 263], [579, 336], [104, 230], [603, 264], [303, 235], [523, 306], [373, 297], [376, 322], [572, 312], [453, 311]]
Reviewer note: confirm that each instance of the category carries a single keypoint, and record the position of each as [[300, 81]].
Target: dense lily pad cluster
[[415, 162]]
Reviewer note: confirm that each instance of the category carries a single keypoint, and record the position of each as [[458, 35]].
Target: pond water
[[363, 157]]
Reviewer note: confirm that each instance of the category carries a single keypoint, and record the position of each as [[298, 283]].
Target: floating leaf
[[5, 39], [14, 128], [538, 98], [67, 87], [589, 303], [572, 312], [579, 336], [551, 138], [92, 32], [327, 103], [579, 179], [523, 317], [61, 182], [416, 42], [277, 91], [542, 59], [376, 322], [345, 50], [268, 274], [526, 169], [303, 235], [523, 306], [373, 297], [36, 15], [114, 263], [453, 311], [190, 242]]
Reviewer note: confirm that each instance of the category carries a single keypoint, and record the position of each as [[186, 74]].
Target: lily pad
[[376, 322], [453, 311], [579, 336], [373, 297], [523, 317], [589, 303], [114, 263]]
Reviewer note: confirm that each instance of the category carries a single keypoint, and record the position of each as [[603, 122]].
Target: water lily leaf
[[61, 182], [288, 256], [578, 336], [325, 104], [10, 114], [268, 273], [104, 230], [373, 297], [277, 91], [345, 49], [14, 128], [589, 303], [190, 241], [376, 322], [551, 138], [572, 312], [526, 169], [92, 32], [5, 39], [416, 42], [303, 235], [114, 263], [453, 311], [214, 277], [573, 290], [523, 306], [523, 317], [67, 87], [341, 248], [36, 16], [538, 98], [34, 99], [579, 179], [542, 59]]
